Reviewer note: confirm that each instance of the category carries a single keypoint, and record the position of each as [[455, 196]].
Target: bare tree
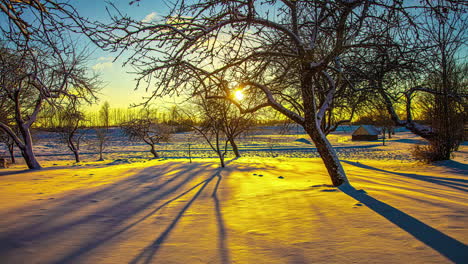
[[210, 126], [10, 144], [285, 54], [148, 131], [7, 117], [39, 64], [229, 119], [71, 129], [102, 133], [446, 26]]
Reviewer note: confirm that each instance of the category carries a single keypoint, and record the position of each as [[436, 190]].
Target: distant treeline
[[117, 116]]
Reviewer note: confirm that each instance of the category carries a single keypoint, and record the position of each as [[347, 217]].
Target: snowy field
[[273, 205]]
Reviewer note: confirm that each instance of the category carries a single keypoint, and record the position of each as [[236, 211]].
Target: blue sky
[[118, 84]]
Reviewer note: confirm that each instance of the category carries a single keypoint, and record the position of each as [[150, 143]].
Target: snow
[[273, 205]]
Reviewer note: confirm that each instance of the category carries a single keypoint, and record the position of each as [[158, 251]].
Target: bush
[[434, 151]]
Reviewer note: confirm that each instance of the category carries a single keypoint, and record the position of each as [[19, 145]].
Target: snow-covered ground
[[273, 205]]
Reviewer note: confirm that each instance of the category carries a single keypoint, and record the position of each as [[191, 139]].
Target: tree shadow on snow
[[147, 254], [130, 197], [449, 247], [455, 183]]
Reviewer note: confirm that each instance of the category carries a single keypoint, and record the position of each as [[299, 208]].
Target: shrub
[[434, 151]]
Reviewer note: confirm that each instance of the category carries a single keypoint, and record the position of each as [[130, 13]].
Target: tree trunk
[[30, 158], [329, 157], [153, 151], [77, 155], [100, 151], [221, 159], [190, 152], [27, 151], [235, 149], [383, 136], [312, 123], [11, 149]]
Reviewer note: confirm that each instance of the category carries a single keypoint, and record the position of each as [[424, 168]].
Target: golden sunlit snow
[[256, 210]]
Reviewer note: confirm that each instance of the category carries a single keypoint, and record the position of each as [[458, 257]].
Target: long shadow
[[96, 243], [453, 166], [14, 172], [409, 140], [150, 251], [223, 249], [120, 211], [449, 247], [455, 183]]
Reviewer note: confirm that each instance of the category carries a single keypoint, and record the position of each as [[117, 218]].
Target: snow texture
[[273, 205]]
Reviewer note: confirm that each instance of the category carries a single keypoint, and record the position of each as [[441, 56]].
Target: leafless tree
[[71, 129], [207, 121], [418, 57], [102, 132], [148, 131], [446, 27], [229, 119], [7, 117], [285, 54], [39, 64], [10, 144]]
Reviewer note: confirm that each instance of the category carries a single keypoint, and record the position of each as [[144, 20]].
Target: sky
[[118, 84]]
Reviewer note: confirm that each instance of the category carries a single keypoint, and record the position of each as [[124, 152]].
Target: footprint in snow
[[357, 205]]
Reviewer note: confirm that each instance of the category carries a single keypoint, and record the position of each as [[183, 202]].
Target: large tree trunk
[[77, 155], [27, 150], [153, 151], [328, 155], [235, 149], [312, 125], [30, 158]]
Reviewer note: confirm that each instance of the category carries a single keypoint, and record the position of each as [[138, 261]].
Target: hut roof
[[366, 130]]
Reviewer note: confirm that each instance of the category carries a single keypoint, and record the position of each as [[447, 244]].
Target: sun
[[239, 95]]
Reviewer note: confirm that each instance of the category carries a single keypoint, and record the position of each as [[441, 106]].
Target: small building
[[366, 133]]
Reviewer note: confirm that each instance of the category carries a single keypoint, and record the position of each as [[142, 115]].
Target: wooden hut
[[366, 133]]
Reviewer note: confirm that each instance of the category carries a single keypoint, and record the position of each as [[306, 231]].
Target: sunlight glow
[[238, 95]]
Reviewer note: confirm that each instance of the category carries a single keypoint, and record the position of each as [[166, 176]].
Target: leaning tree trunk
[[30, 158], [312, 125], [153, 151], [77, 155], [329, 157], [27, 149], [235, 149]]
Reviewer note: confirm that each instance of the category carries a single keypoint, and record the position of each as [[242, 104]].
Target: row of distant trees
[[218, 123], [317, 63], [50, 118]]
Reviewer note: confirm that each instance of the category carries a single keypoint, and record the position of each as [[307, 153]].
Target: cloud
[[151, 17], [106, 58], [102, 66]]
